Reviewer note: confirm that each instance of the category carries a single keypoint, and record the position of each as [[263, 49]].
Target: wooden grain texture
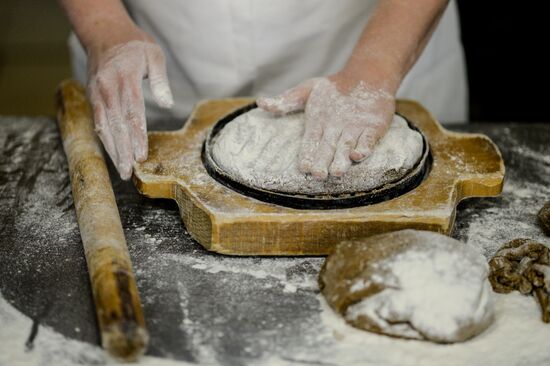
[[115, 293], [224, 221]]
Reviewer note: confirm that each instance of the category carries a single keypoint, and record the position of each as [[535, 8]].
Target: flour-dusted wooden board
[[224, 221]]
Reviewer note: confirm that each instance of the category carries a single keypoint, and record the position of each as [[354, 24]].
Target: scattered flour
[[175, 275], [517, 337], [262, 151], [50, 347], [494, 222]]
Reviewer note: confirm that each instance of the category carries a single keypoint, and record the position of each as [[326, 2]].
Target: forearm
[[99, 24], [393, 39]]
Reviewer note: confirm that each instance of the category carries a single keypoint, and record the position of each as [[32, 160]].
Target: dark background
[[505, 42], [506, 45]]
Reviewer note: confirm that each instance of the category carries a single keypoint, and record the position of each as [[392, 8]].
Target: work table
[[200, 306]]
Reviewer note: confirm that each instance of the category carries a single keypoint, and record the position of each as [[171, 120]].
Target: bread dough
[[261, 151], [544, 218], [410, 284], [523, 265]]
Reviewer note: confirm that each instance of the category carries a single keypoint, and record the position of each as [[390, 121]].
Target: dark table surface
[[200, 306]]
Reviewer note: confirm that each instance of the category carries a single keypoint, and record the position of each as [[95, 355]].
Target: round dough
[[410, 284], [261, 151]]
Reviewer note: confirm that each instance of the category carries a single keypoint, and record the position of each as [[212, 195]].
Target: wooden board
[[224, 221]]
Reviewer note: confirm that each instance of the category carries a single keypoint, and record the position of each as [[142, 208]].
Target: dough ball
[[410, 284], [544, 218], [261, 151]]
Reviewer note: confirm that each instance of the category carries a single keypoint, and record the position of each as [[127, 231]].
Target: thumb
[[158, 80], [292, 100]]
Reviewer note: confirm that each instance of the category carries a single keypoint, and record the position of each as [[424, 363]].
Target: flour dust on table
[[208, 309], [262, 151]]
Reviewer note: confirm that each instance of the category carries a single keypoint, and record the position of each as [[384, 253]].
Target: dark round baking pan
[[301, 201]]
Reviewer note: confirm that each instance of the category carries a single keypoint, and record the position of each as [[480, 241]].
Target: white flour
[[50, 347], [262, 151], [517, 337], [436, 289], [316, 336]]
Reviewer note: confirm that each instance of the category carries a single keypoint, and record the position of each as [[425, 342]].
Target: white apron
[[225, 48]]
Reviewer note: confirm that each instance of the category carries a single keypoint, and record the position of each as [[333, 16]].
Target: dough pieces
[[544, 218], [410, 284], [261, 151]]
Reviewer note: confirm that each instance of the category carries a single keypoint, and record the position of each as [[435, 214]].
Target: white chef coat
[[225, 48]]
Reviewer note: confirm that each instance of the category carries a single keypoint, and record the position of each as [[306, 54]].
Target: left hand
[[345, 119]]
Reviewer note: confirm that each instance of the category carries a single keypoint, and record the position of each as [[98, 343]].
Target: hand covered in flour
[[115, 74], [345, 118]]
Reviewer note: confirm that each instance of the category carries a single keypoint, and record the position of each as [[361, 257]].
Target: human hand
[[345, 119], [115, 74]]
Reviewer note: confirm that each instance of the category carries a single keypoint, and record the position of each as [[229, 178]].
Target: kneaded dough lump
[[410, 284], [544, 218], [261, 150]]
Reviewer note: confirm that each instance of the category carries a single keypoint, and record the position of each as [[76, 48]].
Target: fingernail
[[304, 166], [262, 102], [124, 176], [277, 104], [141, 157], [163, 94], [319, 174], [125, 172], [141, 153], [356, 156]]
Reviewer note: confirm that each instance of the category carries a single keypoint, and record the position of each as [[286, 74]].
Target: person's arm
[[394, 39], [120, 56], [348, 112], [101, 24]]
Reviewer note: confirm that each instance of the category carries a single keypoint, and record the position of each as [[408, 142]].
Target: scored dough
[[260, 150], [410, 284]]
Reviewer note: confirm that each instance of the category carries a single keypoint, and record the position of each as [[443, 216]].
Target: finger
[[101, 123], [158, 79], [120, 134], [313, 134], [368, 140], [325, 153], [134, 114], [104, 132], [348, 140], [292, 100]]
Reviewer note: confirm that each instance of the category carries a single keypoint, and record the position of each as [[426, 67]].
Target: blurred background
[[505, 46], [33, 55]]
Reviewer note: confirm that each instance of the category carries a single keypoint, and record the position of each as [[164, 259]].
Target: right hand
[[115, 74], [345, 117]]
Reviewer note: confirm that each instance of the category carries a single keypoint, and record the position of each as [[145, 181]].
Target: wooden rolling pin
[[116, 298]]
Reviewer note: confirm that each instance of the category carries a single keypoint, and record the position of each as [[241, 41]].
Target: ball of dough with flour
[[261, 150], [410, 284]]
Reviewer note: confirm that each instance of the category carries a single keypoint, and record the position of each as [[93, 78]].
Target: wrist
[[376, 72], [106, 34], [101, 24]]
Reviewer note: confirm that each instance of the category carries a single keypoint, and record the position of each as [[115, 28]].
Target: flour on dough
[[261, 150], [410, 284]]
